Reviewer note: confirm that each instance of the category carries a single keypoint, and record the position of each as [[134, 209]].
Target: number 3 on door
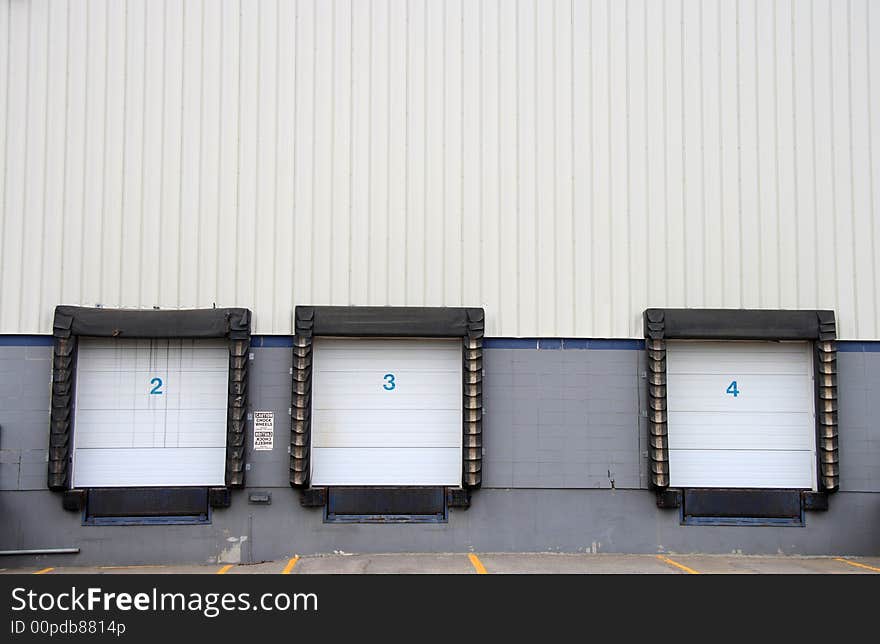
[[732, 390], [389, 382]]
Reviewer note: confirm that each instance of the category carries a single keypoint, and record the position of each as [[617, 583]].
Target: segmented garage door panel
[[386, 466], [340, 354], [150, 412], [386, 412], [741, 414], [708, 357], [760, 431], [149, 467], [113, 390], [108, 354], [150, 428], [417, 385], [757, 393], [376, 428], [742, 468]]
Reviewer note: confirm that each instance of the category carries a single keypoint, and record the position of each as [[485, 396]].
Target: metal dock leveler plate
[[742, 400], [147, 406], [386, 399]]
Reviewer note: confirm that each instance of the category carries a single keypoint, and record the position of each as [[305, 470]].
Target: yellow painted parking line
[[689, 571], [477, 564], [290, 565], [44, 571], [224, 569], [857, 564], [130, 567]]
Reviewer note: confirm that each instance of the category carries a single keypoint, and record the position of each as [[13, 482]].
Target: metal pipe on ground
[[42, 551]]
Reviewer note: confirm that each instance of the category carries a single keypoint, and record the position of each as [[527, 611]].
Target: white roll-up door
[[386, 412], [741, 414], [150, 412]]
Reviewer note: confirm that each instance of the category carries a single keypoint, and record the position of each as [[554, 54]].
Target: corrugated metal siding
[[563, 164]]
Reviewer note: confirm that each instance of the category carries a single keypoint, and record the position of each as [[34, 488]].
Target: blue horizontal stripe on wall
[[26, 340], [266, 341], [619, 345], [510, 343], [286, 341], [854, 346], [562, 343]]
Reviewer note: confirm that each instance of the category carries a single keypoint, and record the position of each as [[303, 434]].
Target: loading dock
[[742, 417], [387, 410], [148, 412]]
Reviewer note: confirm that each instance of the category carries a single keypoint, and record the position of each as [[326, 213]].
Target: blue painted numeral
[[731, 389], [389, 382], [157, 386]]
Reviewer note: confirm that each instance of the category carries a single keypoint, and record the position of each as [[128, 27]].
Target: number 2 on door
[[732, 390], [157, 386], [389, 382]]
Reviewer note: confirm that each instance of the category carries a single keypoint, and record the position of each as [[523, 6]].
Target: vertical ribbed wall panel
[[563, 164]]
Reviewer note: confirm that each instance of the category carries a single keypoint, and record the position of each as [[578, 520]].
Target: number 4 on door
[[732, 390]]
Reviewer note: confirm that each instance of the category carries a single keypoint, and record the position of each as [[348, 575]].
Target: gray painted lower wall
[[565, 469], [499, 520], [563, 419], [25, 374]]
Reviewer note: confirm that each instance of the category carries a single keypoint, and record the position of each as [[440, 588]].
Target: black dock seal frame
[[818, 327], [389, 322], [71, 322]]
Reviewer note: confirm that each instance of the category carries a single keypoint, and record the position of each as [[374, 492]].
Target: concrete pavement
[[499, 563]]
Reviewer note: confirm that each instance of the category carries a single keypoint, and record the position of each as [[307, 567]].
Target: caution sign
[[264, 430]]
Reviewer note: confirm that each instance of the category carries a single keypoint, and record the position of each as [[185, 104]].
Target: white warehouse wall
[[564, 164]]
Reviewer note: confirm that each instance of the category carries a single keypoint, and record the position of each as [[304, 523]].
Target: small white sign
[[264, 430]]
